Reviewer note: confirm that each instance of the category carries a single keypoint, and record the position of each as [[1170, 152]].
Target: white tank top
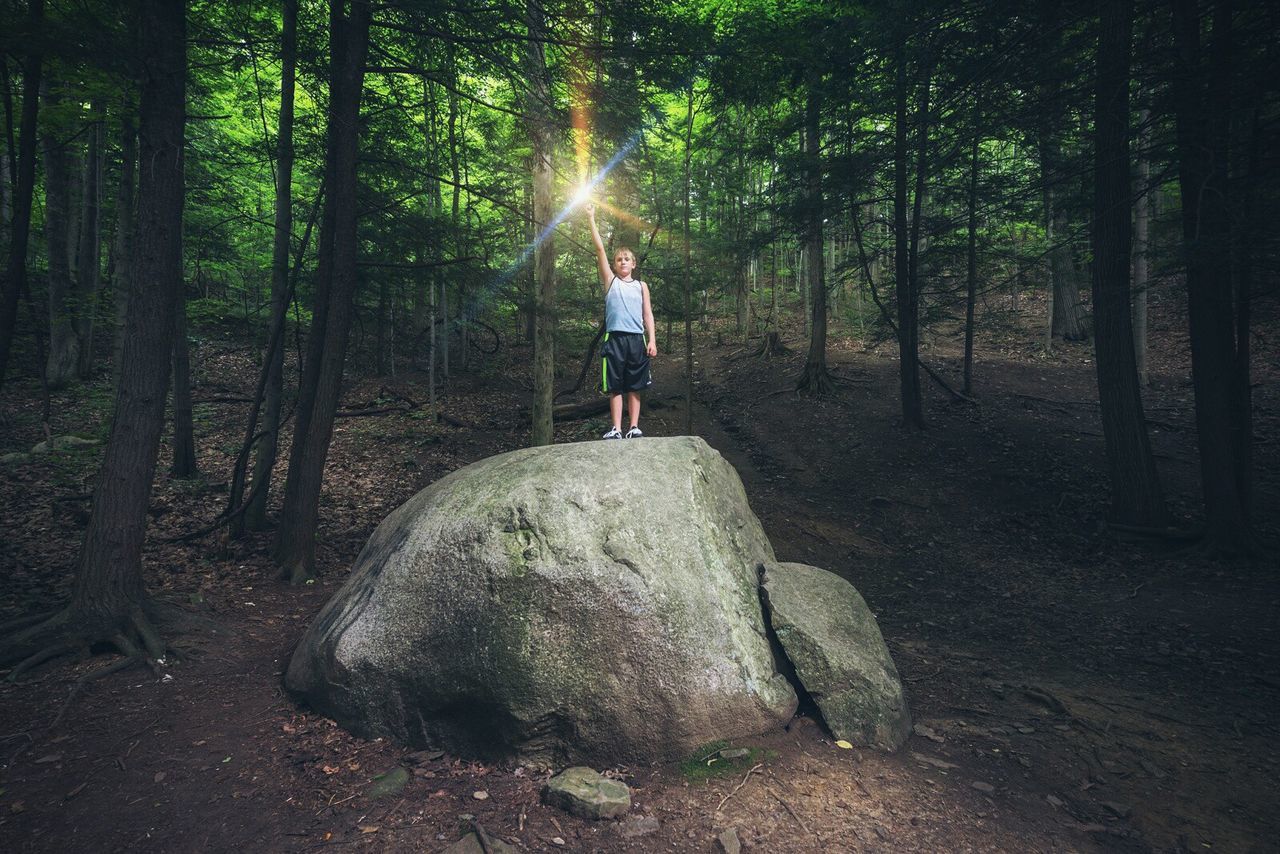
[[624, 306]]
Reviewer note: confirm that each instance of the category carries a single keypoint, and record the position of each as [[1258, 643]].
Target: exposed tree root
[[815, 381], [770, 345], [138, 636]]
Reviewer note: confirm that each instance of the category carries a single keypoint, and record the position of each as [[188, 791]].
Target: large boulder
[[831, 638], [594, 601]]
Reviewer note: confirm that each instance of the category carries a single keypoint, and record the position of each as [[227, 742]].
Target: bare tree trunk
[[971, 278], [544, 257], [15, 275], [89, 266], [814, 380], [108, 594], [688, 267], [1136, 495], [908, 302], [1222, 421], [122, 268], [255, 515], [321, 383], [184, 436], [64, 345], [1141, 260]]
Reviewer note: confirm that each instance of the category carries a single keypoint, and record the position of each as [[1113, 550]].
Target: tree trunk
[[971, 277], [108, 591], [1142, 211], [89, 256], [814, 380], [255, 515], [184, 435], [64, 345], [122, 277], [688, 267], [544, 257], [1136, 495], [1222, 426], [321, 383], [15, 275], [908, 304]]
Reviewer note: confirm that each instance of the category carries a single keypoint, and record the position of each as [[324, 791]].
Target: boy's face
[[623, 264]]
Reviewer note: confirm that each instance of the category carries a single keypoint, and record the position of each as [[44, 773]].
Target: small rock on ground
[[728, 843], [584, 793], [637, 826]]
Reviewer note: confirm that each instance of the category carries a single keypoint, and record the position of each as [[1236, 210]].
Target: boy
[[628, 318]]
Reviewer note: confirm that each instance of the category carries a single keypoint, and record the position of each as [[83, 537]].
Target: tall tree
[[321, 382], [814, 379], [1136, 494], [64, 344], [1219, 363], [108, 600], [255, 515], [544, 259], [907, 296], [89, 251], [15, 274]]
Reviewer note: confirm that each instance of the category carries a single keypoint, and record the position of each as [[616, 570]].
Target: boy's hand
[[591, 210], [652, 348]]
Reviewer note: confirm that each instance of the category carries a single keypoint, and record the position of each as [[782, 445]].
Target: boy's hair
[[626, 249]]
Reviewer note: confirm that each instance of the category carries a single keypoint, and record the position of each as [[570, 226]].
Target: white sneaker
[[634, 433], [614, 433]]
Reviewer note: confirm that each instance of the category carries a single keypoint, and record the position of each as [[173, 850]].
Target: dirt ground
[[1071, 692]]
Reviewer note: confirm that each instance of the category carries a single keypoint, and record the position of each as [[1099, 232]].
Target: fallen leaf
[[368, 828], [844, 744], [159, 778]]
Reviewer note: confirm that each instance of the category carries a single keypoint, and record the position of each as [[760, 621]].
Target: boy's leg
[[615, 410], [633, 407]]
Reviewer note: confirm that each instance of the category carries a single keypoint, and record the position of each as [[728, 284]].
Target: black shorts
[[624, 363]]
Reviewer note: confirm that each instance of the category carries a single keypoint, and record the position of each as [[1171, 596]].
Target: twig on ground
[[738, 787], [783, 801]]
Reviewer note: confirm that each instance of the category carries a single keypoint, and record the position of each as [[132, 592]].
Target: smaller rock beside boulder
[[17, 458], [831, 636], [582, 792]]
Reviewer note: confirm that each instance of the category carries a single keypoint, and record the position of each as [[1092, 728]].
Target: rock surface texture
[[832, 639], [592, 601]]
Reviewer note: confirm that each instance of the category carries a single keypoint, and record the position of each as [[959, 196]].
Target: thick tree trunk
[[1136, 495], [1202, 118], [15, 275], [908, 303], [108, 591], [814, 380], [336, 280], [255, 515], [1142, 210], [89, 255], [64, 344], [544, 258], [122, 268]]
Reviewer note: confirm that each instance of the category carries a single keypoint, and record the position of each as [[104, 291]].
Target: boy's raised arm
[[602, 257]]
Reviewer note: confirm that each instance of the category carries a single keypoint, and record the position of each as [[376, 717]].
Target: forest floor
[[1071, 692]]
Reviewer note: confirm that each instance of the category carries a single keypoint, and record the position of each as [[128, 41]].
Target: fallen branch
[[783, 801], [738, 787]]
